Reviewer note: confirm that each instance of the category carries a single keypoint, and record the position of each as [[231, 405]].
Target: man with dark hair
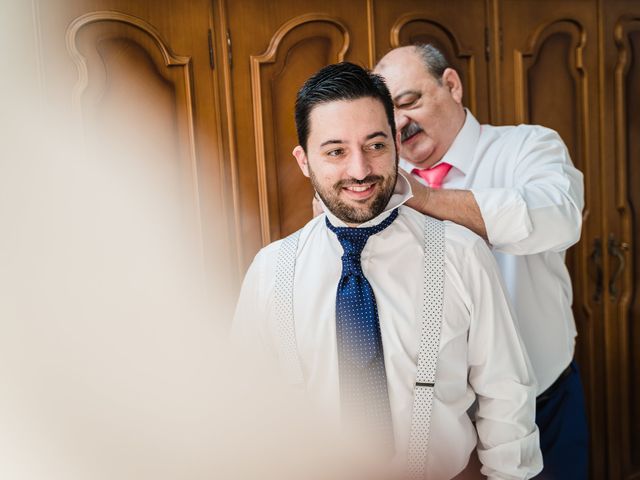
[[396, 348], [516, 187]]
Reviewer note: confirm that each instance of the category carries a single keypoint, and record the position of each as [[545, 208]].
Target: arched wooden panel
[[272, 51], [135, 97], [297, 50], [551, 89], [460, 37], [549, 76], [627, 201], [551, 84]]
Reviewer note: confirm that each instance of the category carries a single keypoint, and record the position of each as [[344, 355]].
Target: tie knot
[[434, 175], [351, 264], [353, 241]]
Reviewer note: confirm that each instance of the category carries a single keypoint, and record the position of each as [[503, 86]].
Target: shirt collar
[[401, 193], [461, 152]]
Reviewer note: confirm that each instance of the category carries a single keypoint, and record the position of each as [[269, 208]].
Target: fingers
[[316, 206]]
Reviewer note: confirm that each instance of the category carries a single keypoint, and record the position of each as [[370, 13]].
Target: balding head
[[427, 96], [433, 59]]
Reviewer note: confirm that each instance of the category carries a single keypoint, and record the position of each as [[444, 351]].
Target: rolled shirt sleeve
[[501, 376], [541, 209]]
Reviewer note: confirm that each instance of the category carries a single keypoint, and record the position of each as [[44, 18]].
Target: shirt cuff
[[521, 459], [505, 215]]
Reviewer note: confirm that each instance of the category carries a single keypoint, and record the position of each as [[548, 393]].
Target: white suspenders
[[430, 326], [285, 273]]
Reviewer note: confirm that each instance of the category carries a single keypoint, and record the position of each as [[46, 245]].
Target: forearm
[[458, 206]]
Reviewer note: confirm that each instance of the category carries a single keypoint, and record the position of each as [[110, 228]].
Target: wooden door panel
[[135, 95], [549, 76], [138, 76], [299, 49], [267, 68], [550, 85], [460, 37], [622, 163], [629, 291]]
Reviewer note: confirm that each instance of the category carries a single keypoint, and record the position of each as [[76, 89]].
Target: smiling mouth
[[359, 192], [359, 188]]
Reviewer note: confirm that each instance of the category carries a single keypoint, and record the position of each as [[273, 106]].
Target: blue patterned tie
[[363, 380]]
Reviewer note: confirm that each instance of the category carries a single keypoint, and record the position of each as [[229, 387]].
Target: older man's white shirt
[[531, 198]]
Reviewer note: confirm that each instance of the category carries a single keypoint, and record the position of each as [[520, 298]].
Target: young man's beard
[[353, 214]]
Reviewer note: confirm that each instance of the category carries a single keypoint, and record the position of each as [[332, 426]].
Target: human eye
[[407, 101], [336, 152], [376, 147]]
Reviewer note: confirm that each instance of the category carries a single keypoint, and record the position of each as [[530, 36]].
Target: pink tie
[[434, 175]]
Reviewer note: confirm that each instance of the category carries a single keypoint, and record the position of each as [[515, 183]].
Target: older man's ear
[[452, 81]]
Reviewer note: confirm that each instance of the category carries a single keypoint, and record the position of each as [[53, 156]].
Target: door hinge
[[229, 51], [210, 39], [487, 45]]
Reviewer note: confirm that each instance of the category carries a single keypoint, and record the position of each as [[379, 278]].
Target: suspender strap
[[430, 326], [285, 273]]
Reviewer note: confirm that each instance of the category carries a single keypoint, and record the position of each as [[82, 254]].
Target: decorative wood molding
[[404, 20], [534, 44], [371, 34], [79, 23], [494, 23], [170, 60], [269, 56], [231, 135], [529, 55], [623, 28]]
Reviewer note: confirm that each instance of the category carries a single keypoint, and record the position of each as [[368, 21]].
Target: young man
[[516, 187], [396, 322]]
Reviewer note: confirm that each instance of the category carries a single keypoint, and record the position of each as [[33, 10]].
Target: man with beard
[[395, 323], [516, 187]]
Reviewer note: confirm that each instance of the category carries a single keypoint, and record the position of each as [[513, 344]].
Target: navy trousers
[[562, 421]]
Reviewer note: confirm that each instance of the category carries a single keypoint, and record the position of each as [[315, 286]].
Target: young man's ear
[[451, 80], [301, 158]]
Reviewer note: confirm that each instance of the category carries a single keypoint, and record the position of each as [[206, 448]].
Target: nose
[[359, 166], [401, 120]]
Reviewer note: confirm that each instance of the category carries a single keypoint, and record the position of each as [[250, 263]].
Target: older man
[[516, 187], [395, 322]]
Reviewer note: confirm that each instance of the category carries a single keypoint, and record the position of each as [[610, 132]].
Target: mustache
[[352, 181], [409, 131]]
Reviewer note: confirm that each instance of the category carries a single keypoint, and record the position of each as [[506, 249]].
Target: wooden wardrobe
[[226, 73]]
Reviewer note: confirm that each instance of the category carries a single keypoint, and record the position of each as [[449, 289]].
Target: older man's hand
[[420, 193], [316, 207]]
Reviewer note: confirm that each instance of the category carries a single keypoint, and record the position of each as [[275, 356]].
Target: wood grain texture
[[462, 40], [626, 231], [550, 76], [146, 64], [298, 48]]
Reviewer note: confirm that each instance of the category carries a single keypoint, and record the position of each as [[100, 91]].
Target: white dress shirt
[[531, 198], [481, 354]]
